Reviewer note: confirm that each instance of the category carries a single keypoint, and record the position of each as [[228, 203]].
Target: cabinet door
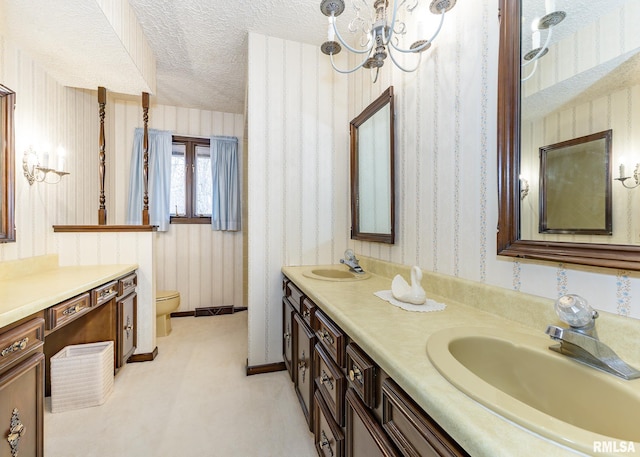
[[304, 342], [21, 408], [287, 336], [364, 436], [127, 328]]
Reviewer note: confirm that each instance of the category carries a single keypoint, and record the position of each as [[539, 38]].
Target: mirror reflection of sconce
[[37, 171], [524, 188], [623, 178]]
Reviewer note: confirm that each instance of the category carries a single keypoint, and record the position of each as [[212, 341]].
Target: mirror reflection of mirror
[[580, 74], [372, 181]]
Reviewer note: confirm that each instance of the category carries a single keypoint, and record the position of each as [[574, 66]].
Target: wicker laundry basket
[[81, 376]]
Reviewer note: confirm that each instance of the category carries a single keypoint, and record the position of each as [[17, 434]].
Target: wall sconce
[[35, 171], [524, 188], [623, 178]]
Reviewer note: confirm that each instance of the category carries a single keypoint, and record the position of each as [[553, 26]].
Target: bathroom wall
[[447, 171], [49, 114], [298, 185], [204, 265]]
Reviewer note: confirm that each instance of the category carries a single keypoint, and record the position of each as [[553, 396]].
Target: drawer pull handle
[[302, 366], [326, 336], [16, 346], [71, 310], [355, 373], [16, 430], [106, 292], [128, 327], [325, 442], [126, 284], [327, 380]]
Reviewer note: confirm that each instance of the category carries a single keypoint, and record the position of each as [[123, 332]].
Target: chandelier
[[377, 35]]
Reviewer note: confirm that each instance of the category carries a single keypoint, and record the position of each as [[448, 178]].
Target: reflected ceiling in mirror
[[583, 79]]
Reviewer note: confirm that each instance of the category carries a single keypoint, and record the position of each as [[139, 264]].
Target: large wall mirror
[[7, 170], [569, 69], [372, 180]]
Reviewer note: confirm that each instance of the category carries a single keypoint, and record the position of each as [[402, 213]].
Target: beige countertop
[[396, 340], [37, 289]]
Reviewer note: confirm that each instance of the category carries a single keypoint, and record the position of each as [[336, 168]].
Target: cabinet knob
[[302, 366], [355, 373], [325, 442], [326, 379], [305, 314]]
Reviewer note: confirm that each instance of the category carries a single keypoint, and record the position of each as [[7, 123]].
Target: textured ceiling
[[201, 45]]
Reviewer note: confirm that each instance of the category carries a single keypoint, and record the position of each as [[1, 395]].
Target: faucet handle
[[575, 310]]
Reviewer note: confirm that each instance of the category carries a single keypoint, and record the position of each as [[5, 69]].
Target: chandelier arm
[[343, 43], [403, 68], [396, 5], [344, 72], [532, 72], [545, 46], [426, 43]]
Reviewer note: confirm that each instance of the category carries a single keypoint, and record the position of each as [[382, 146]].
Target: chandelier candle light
[[378, 36], [546, 22]]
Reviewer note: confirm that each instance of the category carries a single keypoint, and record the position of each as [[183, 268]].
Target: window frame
[[190, 156]]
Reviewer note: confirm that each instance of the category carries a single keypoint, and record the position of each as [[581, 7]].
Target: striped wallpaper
[[446, 172]]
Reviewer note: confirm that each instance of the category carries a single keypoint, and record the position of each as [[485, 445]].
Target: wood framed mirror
[[509, 239], [372, 172], [7, 168]]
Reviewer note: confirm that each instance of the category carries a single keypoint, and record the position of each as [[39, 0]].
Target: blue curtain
[[159, 179], [225, 207]]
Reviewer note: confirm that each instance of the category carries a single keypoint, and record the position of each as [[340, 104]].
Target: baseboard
[[144, 357], [267, 368], [183, 314]]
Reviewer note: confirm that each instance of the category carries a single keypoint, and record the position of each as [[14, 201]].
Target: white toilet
[[167, 301]]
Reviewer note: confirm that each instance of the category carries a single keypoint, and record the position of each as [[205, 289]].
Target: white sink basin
[[518, 377]]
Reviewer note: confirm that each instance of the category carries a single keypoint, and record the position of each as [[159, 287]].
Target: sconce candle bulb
[[37, 171]]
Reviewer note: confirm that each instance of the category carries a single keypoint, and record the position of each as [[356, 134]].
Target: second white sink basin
[[517, 376]]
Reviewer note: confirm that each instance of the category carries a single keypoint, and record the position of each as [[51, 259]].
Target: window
[[190, 181]]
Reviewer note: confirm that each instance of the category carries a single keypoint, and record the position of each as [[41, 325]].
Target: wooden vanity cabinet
[[411, 429], [365, 437], [22, 387], [353, 407], [304, 343], [287, 336]]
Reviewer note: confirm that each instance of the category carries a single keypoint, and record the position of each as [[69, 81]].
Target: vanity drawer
[[127, 284], [330, 382], [411, 429], [294, 295], [67, 311], [328, 435], [19, 341], [308, 311], [361, 372], [104, 293], [331, 337], [364, 435]]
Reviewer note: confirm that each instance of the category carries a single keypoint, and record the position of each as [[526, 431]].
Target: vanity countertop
[[397, 339], [25, 294]]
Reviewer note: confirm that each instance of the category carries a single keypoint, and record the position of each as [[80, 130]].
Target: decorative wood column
[[102, 210], [145, 169]]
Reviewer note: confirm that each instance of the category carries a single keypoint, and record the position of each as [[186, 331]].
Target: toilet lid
[[167, 295]]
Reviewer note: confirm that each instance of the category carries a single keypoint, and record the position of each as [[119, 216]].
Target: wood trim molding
[[104, 228], [266, 368], [144, 357]]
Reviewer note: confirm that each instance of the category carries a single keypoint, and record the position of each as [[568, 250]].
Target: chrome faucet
[[352, 262], [580, 341]]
